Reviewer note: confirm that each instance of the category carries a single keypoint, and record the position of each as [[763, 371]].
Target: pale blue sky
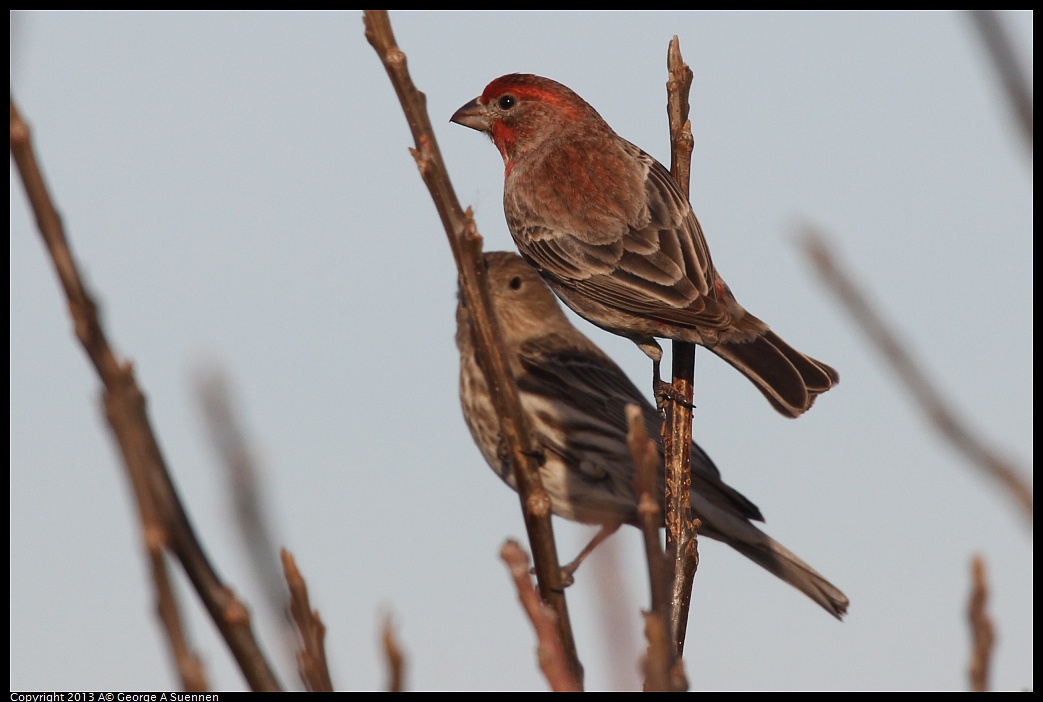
[[237, 186]]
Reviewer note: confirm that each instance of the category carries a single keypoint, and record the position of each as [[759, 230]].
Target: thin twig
[[128, 418], [311, 658], [466, 245], [656, 663], [913, 377], [1012, 74], [396, 660], [646, 466], [189, 665], [677, 439], [659, 659], [982, 632], [550, 651], [246, 488], [660, 674]]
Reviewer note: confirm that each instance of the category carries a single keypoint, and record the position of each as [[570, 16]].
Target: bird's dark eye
[[515, 282], [506, 102]]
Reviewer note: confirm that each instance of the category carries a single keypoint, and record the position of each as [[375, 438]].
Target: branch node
[[539, 504], [235, 612]]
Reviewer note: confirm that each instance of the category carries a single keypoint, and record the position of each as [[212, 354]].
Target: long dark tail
[[790, 380], [768, 553], [776, 558]]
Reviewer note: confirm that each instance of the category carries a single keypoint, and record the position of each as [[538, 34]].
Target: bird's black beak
[[473, 115]]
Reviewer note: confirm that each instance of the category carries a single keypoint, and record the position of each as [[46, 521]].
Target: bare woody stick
[[125, 410], [552, 657], [646, 465], [677, 439], [395, 658], [189, 666], [660, 659], [466, 243], [982, 636], [658, 664], [311, 658], [909, 371]]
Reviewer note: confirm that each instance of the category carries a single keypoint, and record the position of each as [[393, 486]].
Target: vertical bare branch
[[677, 439], [466, 245], [646, 467], [128, 418], [395, 658], [311, 658], [661, 675], [1004, 58], [939, 412], [982, 632], [657, 661], [678, 88], [660, 660], [550, 650]]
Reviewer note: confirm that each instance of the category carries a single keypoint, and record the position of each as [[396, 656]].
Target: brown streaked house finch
[[574, 397], [616, 239]]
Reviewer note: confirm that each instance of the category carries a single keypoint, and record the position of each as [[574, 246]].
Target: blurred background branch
[[983, 637], [128, 418], [939, 412], [1016, 84], [396, 660], [254, 521]]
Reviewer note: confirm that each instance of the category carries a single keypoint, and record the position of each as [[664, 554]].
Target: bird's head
[[522, 302], [520, 110]]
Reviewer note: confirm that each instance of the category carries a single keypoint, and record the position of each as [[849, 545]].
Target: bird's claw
[[665, 392], [567, 574]]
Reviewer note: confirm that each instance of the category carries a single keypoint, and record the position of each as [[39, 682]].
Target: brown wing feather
[[658, 266]]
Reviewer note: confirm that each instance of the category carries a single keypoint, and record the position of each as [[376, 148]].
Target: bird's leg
[[664, 391], [569, 570]]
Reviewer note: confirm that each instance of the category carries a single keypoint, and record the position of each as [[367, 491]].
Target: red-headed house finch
[[616, 239], [574, 397]]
